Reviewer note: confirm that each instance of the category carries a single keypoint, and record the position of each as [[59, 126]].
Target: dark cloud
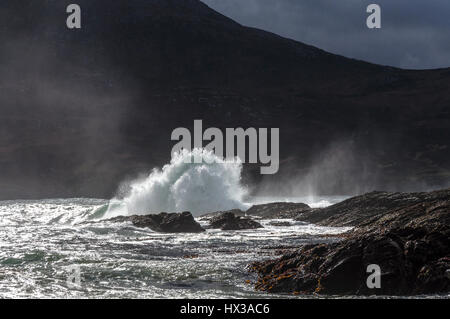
[[414, 33]]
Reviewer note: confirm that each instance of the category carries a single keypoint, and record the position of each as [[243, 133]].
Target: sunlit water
[[41, 240]]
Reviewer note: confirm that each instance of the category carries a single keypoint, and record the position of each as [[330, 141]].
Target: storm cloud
[[415, 34]]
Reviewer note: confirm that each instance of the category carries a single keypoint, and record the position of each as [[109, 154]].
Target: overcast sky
[[414, 34]]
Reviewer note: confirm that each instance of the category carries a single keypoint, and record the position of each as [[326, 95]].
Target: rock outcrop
[[165, 222], [278, 210], [362, 210], [411, 245], [236, 212], [229, 221]]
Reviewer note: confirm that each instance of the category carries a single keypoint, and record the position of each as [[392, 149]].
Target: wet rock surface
[[361, 210], [165, 222], [278, 210], [229, 221], [236, 212], [409, 239]]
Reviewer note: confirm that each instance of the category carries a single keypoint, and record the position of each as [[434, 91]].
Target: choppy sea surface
[[46, 244]]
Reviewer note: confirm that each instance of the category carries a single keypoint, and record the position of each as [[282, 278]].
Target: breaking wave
[[212, 184]]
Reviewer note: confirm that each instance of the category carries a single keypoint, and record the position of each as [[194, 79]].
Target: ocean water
[[43, 241], [67, 248], [198, 182]]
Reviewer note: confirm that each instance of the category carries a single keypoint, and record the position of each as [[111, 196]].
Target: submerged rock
[[229, 221], [165, 222], [411, 245]]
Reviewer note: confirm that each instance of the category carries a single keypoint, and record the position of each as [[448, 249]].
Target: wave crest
[[206, 185]]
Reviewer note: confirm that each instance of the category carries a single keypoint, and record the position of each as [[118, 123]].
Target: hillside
[[83, 110]]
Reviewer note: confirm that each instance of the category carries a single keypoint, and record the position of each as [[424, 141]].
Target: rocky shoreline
[[406, 234]]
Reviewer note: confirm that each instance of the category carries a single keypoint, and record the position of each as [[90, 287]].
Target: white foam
[[212, 185]]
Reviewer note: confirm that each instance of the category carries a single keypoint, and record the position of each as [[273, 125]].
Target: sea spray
[[212, 185]]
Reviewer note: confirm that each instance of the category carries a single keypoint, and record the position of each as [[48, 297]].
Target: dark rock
[[434, 277], [165, 223], [411, 245], [229, 221], [236, 212], [278, 210], [362, 210]]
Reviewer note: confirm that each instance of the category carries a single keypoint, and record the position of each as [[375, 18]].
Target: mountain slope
[[82, 110]]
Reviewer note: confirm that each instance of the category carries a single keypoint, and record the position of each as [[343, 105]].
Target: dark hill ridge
[[82, 110]]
